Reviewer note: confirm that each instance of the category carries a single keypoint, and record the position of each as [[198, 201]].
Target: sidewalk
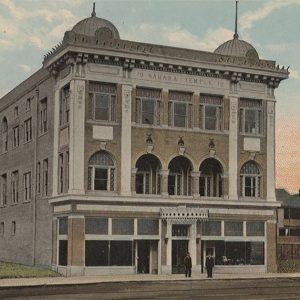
[[42, 281]]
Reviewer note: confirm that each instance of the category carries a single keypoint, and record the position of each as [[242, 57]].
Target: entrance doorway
[[143, 256], [179, 250]]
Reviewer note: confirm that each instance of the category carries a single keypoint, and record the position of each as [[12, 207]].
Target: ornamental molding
[[183, 214]]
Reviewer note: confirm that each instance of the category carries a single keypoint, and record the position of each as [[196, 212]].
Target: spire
[[93, 14], [236, 36]]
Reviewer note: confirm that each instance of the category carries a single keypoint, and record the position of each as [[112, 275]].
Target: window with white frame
[[102, 97], [16, 137], [4, 137], [148, 105], [211, 112], [179, 179], [15, 186], [27, 186], [28, 130], [101, 172], [180, 109], [251, 116], [3, 189], [43, 116], [250, 180], [64, 107]]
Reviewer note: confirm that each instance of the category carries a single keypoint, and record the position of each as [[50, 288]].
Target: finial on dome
[[93, 14], [236, 36]]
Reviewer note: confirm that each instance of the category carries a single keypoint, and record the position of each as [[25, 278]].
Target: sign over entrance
[[183, 213]]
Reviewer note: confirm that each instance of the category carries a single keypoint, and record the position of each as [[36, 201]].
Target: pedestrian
[[209, 265], [188, 265]]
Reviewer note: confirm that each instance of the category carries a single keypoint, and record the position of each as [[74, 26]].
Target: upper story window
[[45, 177], [3, 187], [180, 109], [43, 116], [27, 130], [38, 177], [28, 104], [64, 107], [211, 112], [102, 101], [16, 111], [148, 105], [250, 180], [4, 137], [101, 172], [251, 116], [27, 186], [16, 136], [15, 187]]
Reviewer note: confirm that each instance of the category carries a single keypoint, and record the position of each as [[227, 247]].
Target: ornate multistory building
[[120, 156]]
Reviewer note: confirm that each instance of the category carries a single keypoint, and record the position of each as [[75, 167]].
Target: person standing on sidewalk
[[209, 265], [188, 265]]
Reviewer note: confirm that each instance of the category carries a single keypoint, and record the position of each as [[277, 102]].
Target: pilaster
[[195, 178], [164, 182]]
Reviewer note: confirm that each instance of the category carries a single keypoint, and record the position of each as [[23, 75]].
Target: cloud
[[25, 68], [294, 74], [177, 36]]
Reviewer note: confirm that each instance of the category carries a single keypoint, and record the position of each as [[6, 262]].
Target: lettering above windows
[[251, 116], [148, 106], [102, 101]]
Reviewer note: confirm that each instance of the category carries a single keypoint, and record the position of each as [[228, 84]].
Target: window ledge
[[102, 193], [257, 135], [102, 122]]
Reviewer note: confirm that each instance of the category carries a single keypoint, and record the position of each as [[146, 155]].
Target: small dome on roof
[[236, 47], [90, 25]]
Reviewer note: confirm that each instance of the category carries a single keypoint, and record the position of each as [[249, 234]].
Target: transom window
[[180, 109], [148, 105], [211, 112], [101, 172], [251, 116], [250, 180], [102, 101]]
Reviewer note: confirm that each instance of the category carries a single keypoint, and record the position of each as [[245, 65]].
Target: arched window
[[250, 180], [147, 175], [179, 180], [211, 178], [4, 134], [101, 172]]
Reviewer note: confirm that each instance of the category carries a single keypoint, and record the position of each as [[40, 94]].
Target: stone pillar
[[225, 186], [169, 247], [76, 245], [77, 132], [164, 182], [54, 243], [126, 141], [193, 245], [271, 150], [271, 246], [233, 149], [55, 142], [195, 176], [165, 106]]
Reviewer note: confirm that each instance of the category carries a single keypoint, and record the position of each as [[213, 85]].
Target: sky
[[30, 28]]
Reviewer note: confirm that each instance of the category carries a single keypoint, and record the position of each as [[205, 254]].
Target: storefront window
[[233, 229], [211, 228], [96, 253], [63, 225], [122, 226], [121, 253], [63, 253], [96, 225], [255, 229], [148, 227]]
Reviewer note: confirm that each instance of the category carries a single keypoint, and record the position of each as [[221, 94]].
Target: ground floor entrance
[[147, 256], [179, 251]]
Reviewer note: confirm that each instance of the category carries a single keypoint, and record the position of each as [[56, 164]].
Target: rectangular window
[[250, 116], [1, 228], [61, 173], [13, 228], [64, 108], [27, 186], [43, 116], [211, 228], [180, 230], [233, 228], [121, 253], [255, 228], [148, 103], [211, 112], [96, 225], [16, 111], [102, 101], [122, 226], [96, 253], [148, 227], [15, 186], [27, 130], [3, 190], [63, 252], [63, 226], [180, 109], [28, 104], [16, 138], [38, 177], [45, 177]]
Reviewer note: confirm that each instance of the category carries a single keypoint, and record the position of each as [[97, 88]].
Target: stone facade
[[134, 130]]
